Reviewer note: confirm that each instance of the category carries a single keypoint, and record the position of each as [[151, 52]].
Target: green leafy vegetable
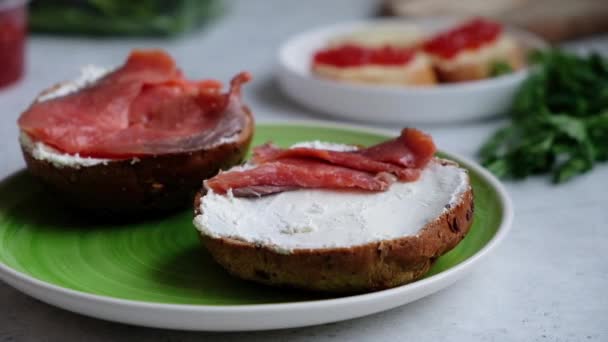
[[120, 17], [559, 120], [499, 68]]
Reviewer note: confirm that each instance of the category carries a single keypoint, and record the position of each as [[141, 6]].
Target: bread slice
[[478, 64], [338, 267], [419, 72], [151, 184]]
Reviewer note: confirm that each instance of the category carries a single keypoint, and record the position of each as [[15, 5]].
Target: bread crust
[[368, 267], [420, 74], [479, 68], [150, 184]]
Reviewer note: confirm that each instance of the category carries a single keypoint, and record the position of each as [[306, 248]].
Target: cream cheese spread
[[322, 218], [88, 75], [41, 151]]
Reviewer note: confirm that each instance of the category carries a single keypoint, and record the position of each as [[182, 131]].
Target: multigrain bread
[[150, 184], [365, 267]]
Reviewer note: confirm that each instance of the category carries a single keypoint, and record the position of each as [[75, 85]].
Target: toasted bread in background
[[479, 64], [419, 71]]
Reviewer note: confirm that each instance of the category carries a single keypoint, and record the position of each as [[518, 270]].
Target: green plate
[[161, 260]]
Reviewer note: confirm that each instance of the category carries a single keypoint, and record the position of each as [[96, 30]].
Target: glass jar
[[13, 30]]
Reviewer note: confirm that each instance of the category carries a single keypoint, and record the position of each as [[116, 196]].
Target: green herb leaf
[[570, 126], [120, 17], [494, 147], [571, 168], [560, 120]]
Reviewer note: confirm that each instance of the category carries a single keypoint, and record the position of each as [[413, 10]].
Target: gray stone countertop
[[546, 282]]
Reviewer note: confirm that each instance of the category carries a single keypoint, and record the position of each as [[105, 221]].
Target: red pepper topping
[[470, 35], [350, 55]]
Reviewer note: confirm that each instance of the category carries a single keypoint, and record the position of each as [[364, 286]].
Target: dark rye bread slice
[[373, 266], [151, 184]]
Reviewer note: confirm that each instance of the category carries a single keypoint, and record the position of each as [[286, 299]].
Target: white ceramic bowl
[[394, 104]]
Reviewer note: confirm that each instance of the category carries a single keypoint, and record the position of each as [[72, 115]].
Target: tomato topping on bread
[[472, 50], [475, 49], [351, 55], [468, 36], [373, 64]]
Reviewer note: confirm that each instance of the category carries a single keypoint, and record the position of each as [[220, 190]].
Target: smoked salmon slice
[[355, 161], [375, 168], [402, 156], [292, 173], [145, 107], [413, 149]]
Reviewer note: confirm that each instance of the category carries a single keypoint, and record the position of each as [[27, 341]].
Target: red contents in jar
[[350, 55], [12, 43], [470, 35]]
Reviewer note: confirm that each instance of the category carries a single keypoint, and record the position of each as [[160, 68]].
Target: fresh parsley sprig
[[559, 120]]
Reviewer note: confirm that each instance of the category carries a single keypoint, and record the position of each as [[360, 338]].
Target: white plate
[[262, 316], [393, 104]]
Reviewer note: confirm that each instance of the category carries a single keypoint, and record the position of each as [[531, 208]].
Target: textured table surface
[[546, 282]]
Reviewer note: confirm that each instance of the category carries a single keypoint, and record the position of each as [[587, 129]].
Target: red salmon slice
[[372, 169], [403, 156], [291, 173], [355, 161], [412, 149], [145, 107]]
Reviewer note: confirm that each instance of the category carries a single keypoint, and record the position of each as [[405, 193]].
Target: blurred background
[[66, 30], [43, 42]]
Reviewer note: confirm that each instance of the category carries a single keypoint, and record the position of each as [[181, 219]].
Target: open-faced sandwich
[[376, 65], [476, 49], [137, 138], [402, 55], [384, 55], [333, 217]]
